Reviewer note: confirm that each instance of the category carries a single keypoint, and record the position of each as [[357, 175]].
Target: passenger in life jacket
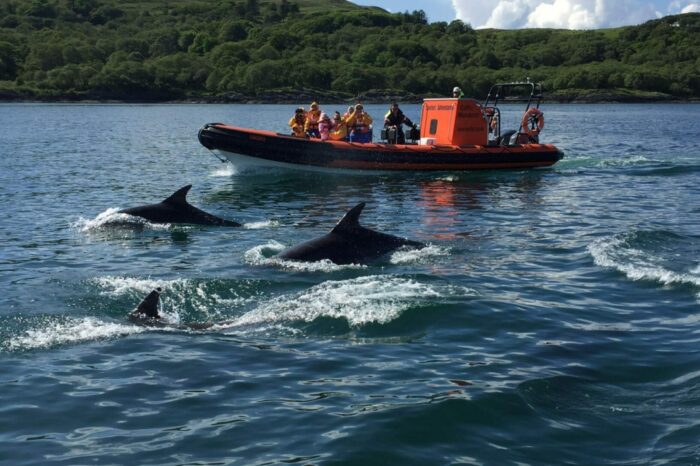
[[297, 123], [346, 115], [395, 118], [325, 125], [359, 125], [313, 117], [340, 128], [457, 93]]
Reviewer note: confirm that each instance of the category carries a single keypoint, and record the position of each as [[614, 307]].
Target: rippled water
[[554, 319]]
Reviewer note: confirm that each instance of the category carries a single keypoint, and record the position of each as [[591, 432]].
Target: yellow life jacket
[[312, 119], [297, 127], [360, 123], [340, 132]]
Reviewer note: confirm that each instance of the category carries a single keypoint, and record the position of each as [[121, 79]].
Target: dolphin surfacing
[[176, 209], [146, 314], [348, 243]]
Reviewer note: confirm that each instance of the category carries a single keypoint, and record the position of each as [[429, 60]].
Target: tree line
[[168, 49]]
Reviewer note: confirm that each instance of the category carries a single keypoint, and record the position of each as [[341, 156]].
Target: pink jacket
[[325, 127]]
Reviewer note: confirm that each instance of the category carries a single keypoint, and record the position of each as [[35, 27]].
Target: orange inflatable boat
[[455, 134]]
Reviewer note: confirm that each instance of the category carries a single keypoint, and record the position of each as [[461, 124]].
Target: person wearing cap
[[457, 93], [340, 128], [359, 124], [396, 118], [297, 123], [313, 117]]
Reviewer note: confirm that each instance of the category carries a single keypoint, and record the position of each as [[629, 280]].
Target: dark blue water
[[554, 319]]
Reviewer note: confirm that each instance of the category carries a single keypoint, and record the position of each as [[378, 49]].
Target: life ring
[[533, 115]]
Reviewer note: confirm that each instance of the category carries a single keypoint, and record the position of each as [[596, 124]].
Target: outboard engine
[[390, 134]]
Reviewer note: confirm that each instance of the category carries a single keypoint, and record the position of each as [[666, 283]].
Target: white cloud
[[567, 14]]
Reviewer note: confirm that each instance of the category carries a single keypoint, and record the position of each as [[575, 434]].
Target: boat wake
[[659, 256]]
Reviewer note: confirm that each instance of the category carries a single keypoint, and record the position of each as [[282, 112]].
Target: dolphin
[[348, 243], [146, 313], [176, 209]]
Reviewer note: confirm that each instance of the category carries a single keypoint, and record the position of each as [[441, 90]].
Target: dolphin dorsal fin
[[351, 219], [179, 196], [149, 306]]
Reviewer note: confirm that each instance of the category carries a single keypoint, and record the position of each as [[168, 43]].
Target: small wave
[[418, 256], [70, 330], [360, 301], [264, 255], [655, 256], [261, 225], [112, 217], [181, 298], [668, 170], [633, 160]]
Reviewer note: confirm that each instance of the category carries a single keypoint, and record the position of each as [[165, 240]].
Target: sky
[[566, 14]]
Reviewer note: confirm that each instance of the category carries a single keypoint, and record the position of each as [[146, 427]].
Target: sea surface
[[554, 318]]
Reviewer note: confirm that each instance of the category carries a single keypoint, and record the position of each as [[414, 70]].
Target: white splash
[[70, 331], [636, 264], [225, 170], [112, 217], [418, 256], [119, 286], [624, 161], [378, 298], [264, 255], [262, 224]]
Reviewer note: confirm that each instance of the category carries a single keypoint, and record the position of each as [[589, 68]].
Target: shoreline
[[277, 97]]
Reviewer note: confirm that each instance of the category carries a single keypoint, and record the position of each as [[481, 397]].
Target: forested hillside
[[167, 49]]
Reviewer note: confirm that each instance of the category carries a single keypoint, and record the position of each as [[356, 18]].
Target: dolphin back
[[348, 243], [176, 209], [147, 310]]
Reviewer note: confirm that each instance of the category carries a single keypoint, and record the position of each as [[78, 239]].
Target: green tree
[[8, 65], [233, 31]]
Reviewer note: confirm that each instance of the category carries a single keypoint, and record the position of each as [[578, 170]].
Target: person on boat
[[340, 128], [313, 117], [457, 93], [325, 125], [359, 124], [395, 118], [297, 123]]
